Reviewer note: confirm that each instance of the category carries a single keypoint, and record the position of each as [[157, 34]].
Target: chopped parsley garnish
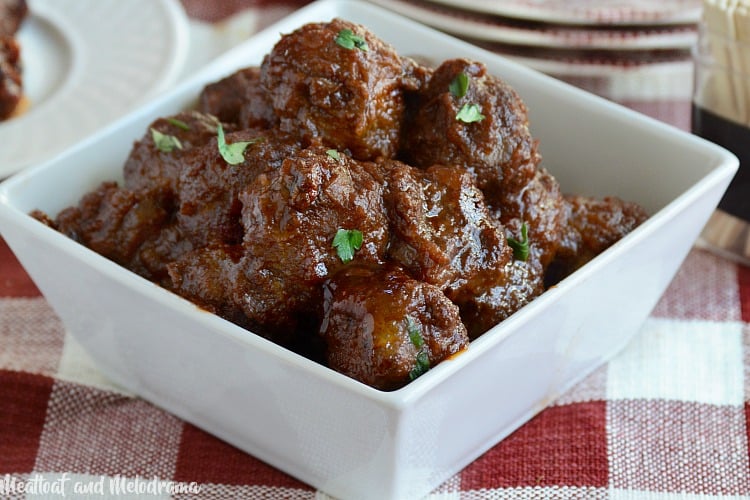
[[459, 85], [178, 123], [520, 248], [422, 362], [164, 142], [421, 367], [334, 154], [415, 335], [347, 39], [234, 153], [346, 242], [469, 113]]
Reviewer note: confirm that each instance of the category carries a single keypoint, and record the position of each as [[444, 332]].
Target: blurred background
[[637, 52]]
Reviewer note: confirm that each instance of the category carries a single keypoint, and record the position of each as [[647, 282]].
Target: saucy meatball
[[383, 328], [443, 234], [209, 186], [156, 253], [223, 280], [338, 83], [469, 118], [593, 226], [496, 301], [442, 230], [207, 277], [12, 14], [464, 116], [239, 99], [11, 84], [156, 160], [291, 216], [114, 222], [539, 205]]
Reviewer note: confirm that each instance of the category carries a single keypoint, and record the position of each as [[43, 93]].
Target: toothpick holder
[[721, 114]]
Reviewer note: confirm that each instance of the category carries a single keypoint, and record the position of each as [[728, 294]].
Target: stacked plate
[[634, 52]]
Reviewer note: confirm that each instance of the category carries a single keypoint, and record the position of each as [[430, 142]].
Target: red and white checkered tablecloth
[[666, 419]]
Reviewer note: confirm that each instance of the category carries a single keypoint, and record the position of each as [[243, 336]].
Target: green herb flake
[[421, 366], [234, 153], [346, 242], [520, 247], [347, 39], [469, 113], [178, 123], [415, 335], [459, 85], [334, 154], [164, 142]]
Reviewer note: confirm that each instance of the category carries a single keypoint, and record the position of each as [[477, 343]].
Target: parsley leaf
[[346, 242], [334, 154], [347, 39], [178, 123], [422, 362], [520, 248], [234, 153], [421, 367], [164, 142], [459, 85], [415, 335], [469, 113]]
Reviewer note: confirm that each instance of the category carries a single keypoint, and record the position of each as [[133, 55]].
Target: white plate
[[663, 81], [480, 26], [589, 11], [85, 63]]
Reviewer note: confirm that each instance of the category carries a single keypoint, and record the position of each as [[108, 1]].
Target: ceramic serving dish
[[330, 431]]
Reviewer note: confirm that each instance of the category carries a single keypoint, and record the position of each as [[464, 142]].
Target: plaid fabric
[[666, 419]]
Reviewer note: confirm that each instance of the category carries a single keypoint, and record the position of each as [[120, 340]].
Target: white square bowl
[[330, 431]]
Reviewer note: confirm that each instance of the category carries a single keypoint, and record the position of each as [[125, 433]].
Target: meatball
[[12, 14], [209, 186], [206, 276], [114, 222], [495, 145], [442, 230], [11, 83], [482, 126], [224, 280], [383, 328], [541, 207], [522, 281], [291, 216], [239, 99], [151, 166], [155, 254], [337, 82], [444, 234], [593, 226]]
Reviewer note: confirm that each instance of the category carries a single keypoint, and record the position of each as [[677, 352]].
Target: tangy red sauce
[[736, 138]]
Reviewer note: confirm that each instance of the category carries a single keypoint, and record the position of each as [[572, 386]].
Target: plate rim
[[567, 13], [50, 12], [466, 23]]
